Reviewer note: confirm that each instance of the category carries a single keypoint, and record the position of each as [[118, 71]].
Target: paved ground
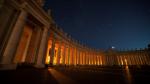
[[27, 76], [108, 75], [78, 75]]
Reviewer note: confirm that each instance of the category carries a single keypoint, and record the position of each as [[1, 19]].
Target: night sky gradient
[[124, 24]]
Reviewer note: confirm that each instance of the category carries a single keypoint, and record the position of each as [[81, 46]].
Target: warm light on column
[[121, 61], [70, 56], [100, 60], [118, 59], [125, 60], [66, 56], [61, 55], [90, 59], [47, 61], [55, 54], [75, 56]]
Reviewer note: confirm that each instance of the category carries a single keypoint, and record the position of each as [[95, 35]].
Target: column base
[[39, 65], [8, 66]]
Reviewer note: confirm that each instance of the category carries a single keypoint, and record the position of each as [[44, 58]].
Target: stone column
[[89, 57], [74, 55], [70, 56], [86, 57], [92, 58], [64, 54], [101, 60], [52, 52], [42, 49], [140, 59], [118, 60], [13, 41], [77, 56], [96, 59], [34, 45], [81, 57], [59, 53], [68, 59]]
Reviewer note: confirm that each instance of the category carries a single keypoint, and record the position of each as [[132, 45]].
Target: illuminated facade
[[128, 57], [29, 35]]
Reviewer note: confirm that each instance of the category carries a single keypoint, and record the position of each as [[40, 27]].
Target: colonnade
[[24, 30], [72, 53], [136, 57], [28, 35], [62, 50]]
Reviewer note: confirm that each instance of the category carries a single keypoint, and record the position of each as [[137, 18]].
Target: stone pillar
[[42, 49], [68, 59], [92, 58], [101, 60], [70, 56], [89, 58], [59, 53], [6, 27], [81, 57], [86, 57], [95, 61], [95, 58], [34, 45], [52, 52], [67, 55], [118, 60], [13, 41], [64, 55], [140, 58], [74, 56], [77, 56]]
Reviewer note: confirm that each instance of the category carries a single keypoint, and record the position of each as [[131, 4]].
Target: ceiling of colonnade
[[104, 23]]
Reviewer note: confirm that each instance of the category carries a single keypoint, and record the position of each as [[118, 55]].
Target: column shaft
[[14, 39]]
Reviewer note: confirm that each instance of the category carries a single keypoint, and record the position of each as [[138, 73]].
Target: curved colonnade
[[28, 35]]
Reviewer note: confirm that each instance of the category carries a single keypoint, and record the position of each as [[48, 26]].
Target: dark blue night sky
[[124, 24]]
